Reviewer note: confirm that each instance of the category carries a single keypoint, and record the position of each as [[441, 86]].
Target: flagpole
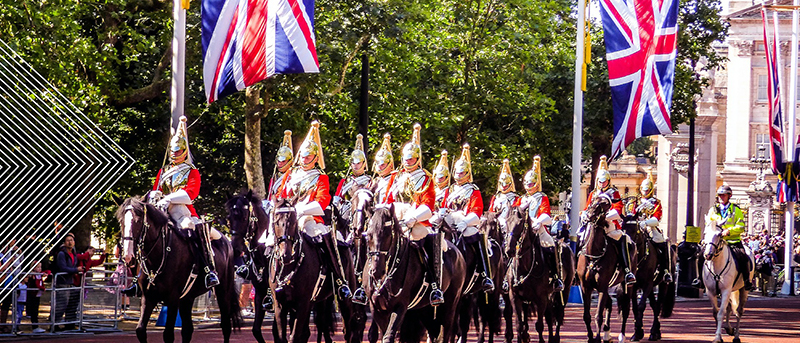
[[178, 61], [577, 122], [788, 283]]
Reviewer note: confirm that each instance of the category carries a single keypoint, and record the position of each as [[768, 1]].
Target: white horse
[[723, 281]]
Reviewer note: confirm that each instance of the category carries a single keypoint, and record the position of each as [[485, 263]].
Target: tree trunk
[[252, 142]]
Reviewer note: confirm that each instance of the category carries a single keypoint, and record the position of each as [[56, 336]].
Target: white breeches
[[656, 234], [544, 237], [181, 215], [312, 228], [457, 217], [614, 233], [416, 232]]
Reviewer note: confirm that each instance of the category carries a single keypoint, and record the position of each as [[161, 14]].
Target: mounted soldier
[[730, 219], [383, 167], [355, 180], [441, 180], [463, 207], [537, 204], [308, 189], [412, 193], [176, 187], [614, 230], [648, 209], [504, 199], [283, 162]]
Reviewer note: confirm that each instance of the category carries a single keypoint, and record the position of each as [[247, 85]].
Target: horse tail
[[667, 293]]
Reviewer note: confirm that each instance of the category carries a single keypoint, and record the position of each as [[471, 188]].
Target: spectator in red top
[[35, 291], [67, 299], [85, 260]]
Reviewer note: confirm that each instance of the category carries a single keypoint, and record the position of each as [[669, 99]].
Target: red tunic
[[426, 196], [544, 207], [192, 187], [320, 194], [614, 205], [474, 205]]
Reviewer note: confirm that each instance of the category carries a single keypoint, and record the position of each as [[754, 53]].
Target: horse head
[[491, 226], [140, 223], [362, 207], [712, 238], [247, 220], [384, 236], [284, 223], [594, 242], [517, 223]]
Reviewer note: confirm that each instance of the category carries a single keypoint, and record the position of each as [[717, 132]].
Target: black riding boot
[[698, 281], [329, 247], [134, 290], [742, 264], [267, 303], [432, 251], [663, 260], [626, 260], [550, 258], [487, 285], [206, 255]]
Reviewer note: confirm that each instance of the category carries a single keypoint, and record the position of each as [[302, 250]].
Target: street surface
[[766, 320]]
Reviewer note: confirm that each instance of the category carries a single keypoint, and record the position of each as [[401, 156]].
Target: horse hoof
[[729, 331], [638, 334], [621, 338], [655, 337], [737, 340], [717, 340]]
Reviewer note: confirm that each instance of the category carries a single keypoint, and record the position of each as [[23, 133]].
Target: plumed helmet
[[602, 172], [533, 178], [462, 169], [441, 174], [505, 182], [311, 146], [180, 142], [412, 150], [285, 156], [384, 158], [358, 156], [648, 186], [724, 189]]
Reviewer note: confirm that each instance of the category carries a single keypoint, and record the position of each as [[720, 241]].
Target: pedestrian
[[35, 291], [9, 268], [22, 296], [67, 295]]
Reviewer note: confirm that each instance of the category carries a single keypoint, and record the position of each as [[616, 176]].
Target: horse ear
[[117, 200]]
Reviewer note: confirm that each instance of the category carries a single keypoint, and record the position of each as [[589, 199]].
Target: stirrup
[[133, 290], [630, 278], [360, 297], [344, 292], [505, 286], [558, 285], [243, 271], [211, 279], [267, 304], [488, 284], [698, 283], [437, 297], [667, 276]]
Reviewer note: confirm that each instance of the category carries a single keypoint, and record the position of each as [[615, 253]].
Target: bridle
[[594, 223], [249, 236], [139, 241], [392, 256], [518, 253], [297, 255]]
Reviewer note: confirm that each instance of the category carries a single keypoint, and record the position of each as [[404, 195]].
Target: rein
[[517, 259], [718, 250], [392, 261], [141, 256], [251, 244], [296, 249]]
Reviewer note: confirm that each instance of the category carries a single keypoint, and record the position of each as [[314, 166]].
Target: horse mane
[[389, 210], [244, 193], [158, 217]]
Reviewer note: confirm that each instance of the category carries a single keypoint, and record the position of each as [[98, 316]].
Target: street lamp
[[758, 162]]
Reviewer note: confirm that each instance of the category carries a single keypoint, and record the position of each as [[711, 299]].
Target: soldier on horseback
[[505, 198], [283, 162], [307, 187], [731, 221], [649, 209], [413, 195], [357, 179], [463, 206], [538, 206], [441, 180], [176, 187], [383, 167], [614, 215]]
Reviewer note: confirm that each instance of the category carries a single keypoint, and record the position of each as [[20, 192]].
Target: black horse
[[556, 311], [483, 307], [300, 281], [527, 275], [396, 284], [166, 259], [597, 270], [646, 281]]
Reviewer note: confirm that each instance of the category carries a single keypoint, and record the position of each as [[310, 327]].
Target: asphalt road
[[766, 320]]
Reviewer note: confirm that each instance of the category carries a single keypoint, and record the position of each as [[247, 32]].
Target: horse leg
[[624, 308], [739, 313], [508, 317], [279, 324], [146, 309], [169, 327], [720, 314], [587, 312], [655, 305], [465, 311], [393, 326], [300, 329], [522, 321], [373, 333], [638, 312], [600, 317], [541, 307], [259, 317], [548, 318], [187, 327]]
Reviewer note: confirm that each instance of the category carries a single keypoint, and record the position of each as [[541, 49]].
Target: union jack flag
[[641, 39], [246, 41]]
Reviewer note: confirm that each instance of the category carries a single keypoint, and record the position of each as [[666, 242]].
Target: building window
[[762, 146], [761, 94]]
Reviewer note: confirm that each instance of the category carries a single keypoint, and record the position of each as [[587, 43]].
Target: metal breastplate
[[175, 178], [459, 196], [276, 186], [533, 202], [303, 182], [408, 185], [503, 203], [440, 193], [353, 184]]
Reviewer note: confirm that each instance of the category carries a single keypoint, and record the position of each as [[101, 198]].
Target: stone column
[[737, 146], [760, 210]]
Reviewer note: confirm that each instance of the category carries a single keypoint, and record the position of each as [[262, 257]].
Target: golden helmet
[[358, 156], [384, 161], [180, 142], [413, 150], [311, 146], [648, 186], [285, 156], [603, 174], [462, 170], [505, 182], [441, 174], [533, 178]]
